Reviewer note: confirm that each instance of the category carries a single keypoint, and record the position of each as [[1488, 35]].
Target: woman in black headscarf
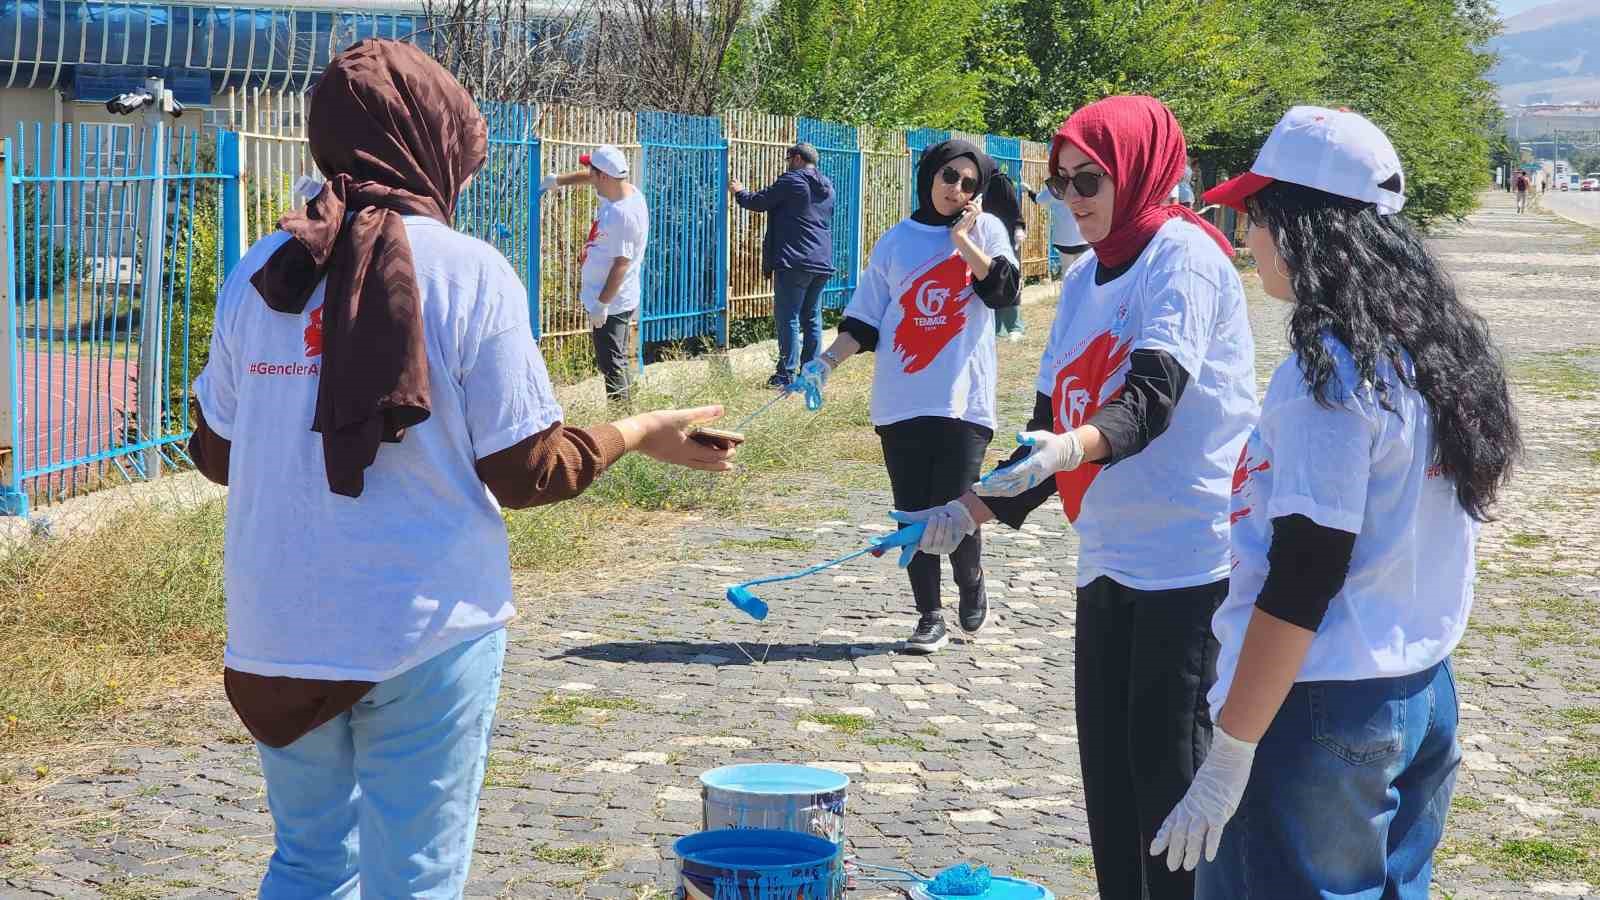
[[933, 388], [1000, 200]]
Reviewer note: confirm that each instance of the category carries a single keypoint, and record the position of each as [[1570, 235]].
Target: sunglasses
[[1086, 184], [949, 175]]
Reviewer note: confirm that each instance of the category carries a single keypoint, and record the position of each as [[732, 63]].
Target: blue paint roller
[[962, 880], [906, 539]]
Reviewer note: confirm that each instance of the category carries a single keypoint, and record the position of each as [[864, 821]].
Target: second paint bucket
[[782, 797]]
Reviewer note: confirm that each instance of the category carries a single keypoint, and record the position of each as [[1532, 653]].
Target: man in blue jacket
[[797, 252]]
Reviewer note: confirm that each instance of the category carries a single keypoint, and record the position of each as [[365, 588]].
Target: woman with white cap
[[1383, 442]]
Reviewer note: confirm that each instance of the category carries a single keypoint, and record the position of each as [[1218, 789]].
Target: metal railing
[[112, 241], [117, 238]]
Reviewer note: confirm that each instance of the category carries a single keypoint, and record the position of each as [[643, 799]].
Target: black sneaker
[[930, 635], [974, 609], [778, 381]]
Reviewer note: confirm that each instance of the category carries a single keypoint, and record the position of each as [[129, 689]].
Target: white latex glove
[[598, 317], [1052, 453], [1197, 821], [548, 183], [947, 526]]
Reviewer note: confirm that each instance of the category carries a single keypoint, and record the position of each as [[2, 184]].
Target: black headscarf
[[935, 158], [1000, 201]]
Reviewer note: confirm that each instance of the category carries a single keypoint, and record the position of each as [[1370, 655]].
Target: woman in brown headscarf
[[373, 390]]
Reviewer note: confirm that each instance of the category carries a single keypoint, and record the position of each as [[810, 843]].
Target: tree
[[883, 62], [1230, 68], [617, 54], [1226, 69], [1418, 69]]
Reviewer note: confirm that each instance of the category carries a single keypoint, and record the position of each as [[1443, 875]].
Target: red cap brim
[[583, 159], [1237, 190]]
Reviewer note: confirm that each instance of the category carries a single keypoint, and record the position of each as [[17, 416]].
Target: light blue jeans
[[382, 801], [1348, 795]]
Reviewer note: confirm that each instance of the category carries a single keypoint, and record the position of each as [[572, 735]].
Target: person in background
[[1145, 394], [797, 251], [1064, 234], [925, 305], [1000, 201], [612, 259], [373, 398], [1384, 440], [1522, 191]]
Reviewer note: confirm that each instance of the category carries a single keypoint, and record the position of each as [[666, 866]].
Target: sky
[[1512, 7]]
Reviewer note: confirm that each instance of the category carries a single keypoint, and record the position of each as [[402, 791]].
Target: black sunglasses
[[1087, 184], [949, 175]]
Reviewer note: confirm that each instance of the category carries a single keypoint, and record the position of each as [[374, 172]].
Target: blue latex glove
[[813, 376]]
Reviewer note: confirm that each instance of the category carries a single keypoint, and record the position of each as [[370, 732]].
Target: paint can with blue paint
[[804, 799], [758, 864]]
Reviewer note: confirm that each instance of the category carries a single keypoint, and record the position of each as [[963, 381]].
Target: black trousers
[[933, 460], [1144, 662], [611, 353]]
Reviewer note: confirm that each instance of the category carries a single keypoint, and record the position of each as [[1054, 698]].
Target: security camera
[[129, 103]]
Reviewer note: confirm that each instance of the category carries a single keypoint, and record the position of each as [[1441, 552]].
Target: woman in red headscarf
[[1146, 393]]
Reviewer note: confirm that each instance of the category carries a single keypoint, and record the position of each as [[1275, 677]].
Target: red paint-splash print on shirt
[[594, 235], [1076, 397], [1241, 476], [934, 311], [313, 333]]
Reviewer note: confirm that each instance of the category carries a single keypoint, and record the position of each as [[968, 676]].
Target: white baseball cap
[[1332, 150], [607, 159]]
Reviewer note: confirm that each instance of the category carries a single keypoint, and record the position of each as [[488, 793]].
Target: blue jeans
[[1348, 794], [797, 308], [382, 801]]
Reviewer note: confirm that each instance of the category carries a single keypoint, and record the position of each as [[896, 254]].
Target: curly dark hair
[[1368, 280]]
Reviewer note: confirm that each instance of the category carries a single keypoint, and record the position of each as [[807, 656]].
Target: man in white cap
[[611, 259]]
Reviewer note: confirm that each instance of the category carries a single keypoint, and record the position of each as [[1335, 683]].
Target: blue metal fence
[[112, 233], [685, 182], [117, 237], [501, 205], [839, 158], [918, 140]]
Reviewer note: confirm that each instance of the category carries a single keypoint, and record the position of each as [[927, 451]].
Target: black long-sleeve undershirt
[[1307, 565]]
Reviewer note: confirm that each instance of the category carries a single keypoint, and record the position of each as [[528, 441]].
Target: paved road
[[615, 701]]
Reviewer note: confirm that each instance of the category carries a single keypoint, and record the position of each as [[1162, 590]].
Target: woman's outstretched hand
[[664, 435]]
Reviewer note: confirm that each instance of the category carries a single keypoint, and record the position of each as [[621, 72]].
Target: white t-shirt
[[321, 585], [1158, 519], [935, 353], [1063, 227], [619, 229], [1365, 470]]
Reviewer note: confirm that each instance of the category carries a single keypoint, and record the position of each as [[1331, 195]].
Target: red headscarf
[[1139, 143]]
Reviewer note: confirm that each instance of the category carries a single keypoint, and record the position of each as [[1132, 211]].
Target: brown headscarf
[[395, 135]]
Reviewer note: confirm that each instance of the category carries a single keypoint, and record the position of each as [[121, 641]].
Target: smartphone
[[716, 438]]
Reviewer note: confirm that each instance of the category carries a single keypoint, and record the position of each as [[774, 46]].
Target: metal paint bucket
[[805, 799], [758, 864]]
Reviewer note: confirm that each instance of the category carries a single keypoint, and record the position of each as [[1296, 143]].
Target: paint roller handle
[[906, 539]]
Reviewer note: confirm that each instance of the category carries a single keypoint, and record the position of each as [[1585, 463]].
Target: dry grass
[[92, 623], [96, 626]]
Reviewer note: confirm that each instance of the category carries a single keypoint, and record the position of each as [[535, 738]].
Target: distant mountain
[[1550, 53]]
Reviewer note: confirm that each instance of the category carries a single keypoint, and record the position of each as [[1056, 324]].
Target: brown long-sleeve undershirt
[[553, 465]]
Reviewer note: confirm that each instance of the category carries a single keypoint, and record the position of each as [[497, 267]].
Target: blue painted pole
[[230, 153]]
